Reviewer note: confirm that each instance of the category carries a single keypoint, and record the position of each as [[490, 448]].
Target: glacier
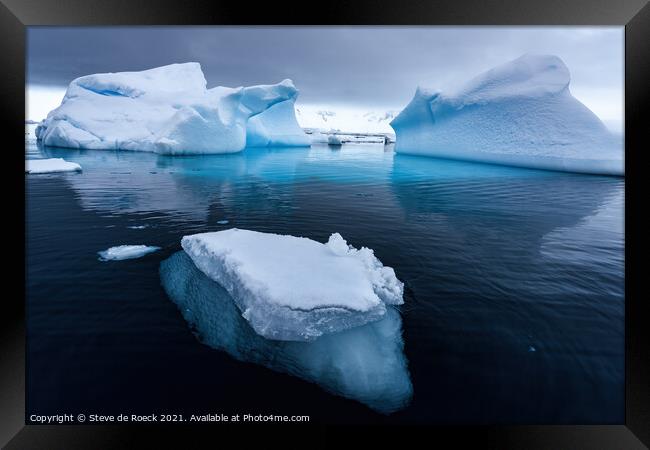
[[521, 113], [365, 363], [294, 288], [169, 110], [50, 165]]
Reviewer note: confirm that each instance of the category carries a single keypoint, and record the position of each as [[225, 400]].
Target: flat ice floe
[[365, 363], [169, 110], [520, 113], [126, 252], [51, 165], [294, 288]]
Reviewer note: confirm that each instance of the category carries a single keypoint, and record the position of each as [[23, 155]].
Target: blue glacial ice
[[520, 113], [294, 288], [169, 110], [365, 363]]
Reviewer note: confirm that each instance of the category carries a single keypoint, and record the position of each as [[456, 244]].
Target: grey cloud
[[371, 66]]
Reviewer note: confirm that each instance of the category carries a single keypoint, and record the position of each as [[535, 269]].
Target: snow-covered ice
[[521, 113], [50, 165], [294, 288], [126, 252], [345, 119], [365, 363], [169, 110]]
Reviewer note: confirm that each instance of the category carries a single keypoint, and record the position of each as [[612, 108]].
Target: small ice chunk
[[50, 165], [169, 110], [294, 288], [365, 363], [334, 139], [138, 227], [126, 252], [222, 222], [531, 348]]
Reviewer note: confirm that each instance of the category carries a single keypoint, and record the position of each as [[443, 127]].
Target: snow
[[521, 113], [365, 363], [50, 165], [126, 252], [294, 288], [166, 110]]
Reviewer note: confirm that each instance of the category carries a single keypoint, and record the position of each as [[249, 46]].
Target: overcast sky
[[337, 67]]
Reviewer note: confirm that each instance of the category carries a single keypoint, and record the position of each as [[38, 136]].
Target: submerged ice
[[169, 110], [365, 363], [294, 288], [521, 113]]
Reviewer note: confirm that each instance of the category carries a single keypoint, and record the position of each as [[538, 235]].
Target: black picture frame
[[16, 15]]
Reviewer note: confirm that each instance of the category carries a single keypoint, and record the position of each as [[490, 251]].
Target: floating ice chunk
[[294, 288], [520, 113], [50, 166], [334, 139], [365, 363], [126, 252], [165, 110], [138, 227], [222, 222]]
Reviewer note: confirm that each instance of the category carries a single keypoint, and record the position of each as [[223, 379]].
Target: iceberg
[[366, 363], [126, 252], [294, 288], [50, 165], [167, 110], [521, 113], [276, 127]]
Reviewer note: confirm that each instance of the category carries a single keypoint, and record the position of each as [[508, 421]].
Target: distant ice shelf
[[50, 165], [121, 252], [169, 110], [520, 113], [294, 288]]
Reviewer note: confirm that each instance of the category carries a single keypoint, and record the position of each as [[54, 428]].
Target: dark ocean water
[[514, 299]]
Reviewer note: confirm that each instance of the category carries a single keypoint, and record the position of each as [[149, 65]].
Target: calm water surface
[[514, 299]]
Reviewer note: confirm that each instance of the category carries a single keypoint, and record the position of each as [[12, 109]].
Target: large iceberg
[[294, 288], [365, 363], [168, 110], [520, 113]]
